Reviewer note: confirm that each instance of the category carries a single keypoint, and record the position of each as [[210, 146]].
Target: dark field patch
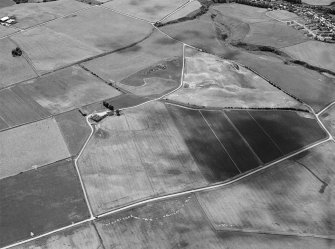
[[233, 142], [39, 201], [212, 159], [288, 129], [16, 108], [6, 3], [74, 129], [265, 149]]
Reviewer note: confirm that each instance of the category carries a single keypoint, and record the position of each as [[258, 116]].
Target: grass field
[[310, 86], [17, 108], [274, 34], [328, 118], [190, 8], [282, 15], [39, 201], [13, 70], [318, 2], [6, 3], [74, 129], [31, 146], [94, 33], [212, 82], [316, 53], [155, 80], [4, 31], [135, 156], [150, 10], [67, 89], [122, 64], [50, 50], [81, 237], [284, 198], [31, 14]]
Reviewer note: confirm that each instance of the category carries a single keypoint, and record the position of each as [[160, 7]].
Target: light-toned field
[[6, 3], [274, 34], [212, 82], [245, 13], [31, 14], [150, 10], [13, 69], [318, 2], [4, 31], [82, 237], [50, 50], [135, 156], [282, 15], [102, 29], [316, 53], [119, 65], [285, 198], [31, 146], [183, 12], [328, 118], [67, 89]]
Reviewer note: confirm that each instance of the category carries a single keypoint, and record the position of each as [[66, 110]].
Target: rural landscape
[[164, 124]]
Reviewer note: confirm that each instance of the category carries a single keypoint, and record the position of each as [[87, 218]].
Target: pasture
[[67, 89], [210, 81], [328, 119], [149, 10], [13, 69], [31, 146], [122, 64], [136, 156], [39, 201], [316, 53]]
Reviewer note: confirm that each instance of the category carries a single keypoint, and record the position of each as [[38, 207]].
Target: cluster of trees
[[294, 1], [16, 52]]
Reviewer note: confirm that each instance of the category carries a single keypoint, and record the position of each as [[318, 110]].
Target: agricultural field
[[149, 10], [149, 158], [49, 50], [32, 14], [121, 64], [74, 129], [5, 31], [6, 3], [328, 119], [67, 89], [316, 53], [41, 200], [188, 10], [283, 15], [16, 108], [156, 80], [13, 69], [94, 33], [37, 144], [81, 237], [318, 2], [210, 81]]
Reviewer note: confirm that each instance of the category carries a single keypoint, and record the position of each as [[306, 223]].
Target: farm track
[[169, 196]]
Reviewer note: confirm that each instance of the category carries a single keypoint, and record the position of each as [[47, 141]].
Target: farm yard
[[164, 124]]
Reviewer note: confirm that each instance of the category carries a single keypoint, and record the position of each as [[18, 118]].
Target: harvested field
[[214, 162], [245, 13], [240, 152], [17, 108], [50, 50], [188, 10], [136, 156], [31, 146], [31, 14], [310, 86], [122, 64], [282, 15], [176, 223], [213, 82], [284, 198], [290, 130], [126, 30], [328, 119], [316, 53], [75, 130], [150, 10], [156, 80], [274, 34], [67, 89], [318, 2], [81, 237], [39, 201], [13, 69]]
